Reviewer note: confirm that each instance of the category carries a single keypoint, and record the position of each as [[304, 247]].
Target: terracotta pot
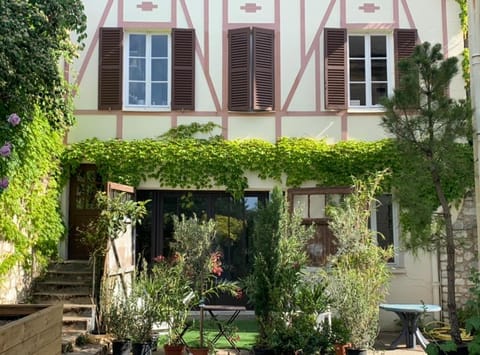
[[198, 351], [176, 349], [341, 349]]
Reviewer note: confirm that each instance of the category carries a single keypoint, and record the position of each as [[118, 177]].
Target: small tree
[[428, 126], [359, 277], [279, 261]]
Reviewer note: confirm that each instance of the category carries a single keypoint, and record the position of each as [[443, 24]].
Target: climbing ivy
[[31, 220], [207, 163], [463, 15]]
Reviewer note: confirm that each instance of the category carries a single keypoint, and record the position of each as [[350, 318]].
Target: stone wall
[[14, 285], [466, 254]]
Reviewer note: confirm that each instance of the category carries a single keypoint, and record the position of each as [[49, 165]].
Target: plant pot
[[121, 347], [351, 351], [462, 349], [198, 351], [176, 349], [144, 348], [341, 349], [262, 351]]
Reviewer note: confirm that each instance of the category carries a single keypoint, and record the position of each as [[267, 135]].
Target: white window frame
[[398, 255], [368, 76], [148, 55]]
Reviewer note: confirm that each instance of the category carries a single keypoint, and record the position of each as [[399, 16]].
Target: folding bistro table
[[217, 313], [409, 315]]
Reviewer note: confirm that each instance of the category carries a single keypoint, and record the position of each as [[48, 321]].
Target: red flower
[[159, 259], [239, 294]]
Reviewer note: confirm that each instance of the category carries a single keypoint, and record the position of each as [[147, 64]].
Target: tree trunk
[[450, 248]]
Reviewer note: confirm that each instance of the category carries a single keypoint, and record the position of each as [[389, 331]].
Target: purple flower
[[13, 119], [3, 183], [6, 150]]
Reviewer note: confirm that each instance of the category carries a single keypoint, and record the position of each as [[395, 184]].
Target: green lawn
[[246, 330]]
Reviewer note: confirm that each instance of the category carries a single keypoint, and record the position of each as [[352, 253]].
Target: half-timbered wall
[[259, 69]]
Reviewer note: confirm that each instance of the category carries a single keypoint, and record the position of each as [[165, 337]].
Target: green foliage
[[31, 219], [116, 214], [195, 239], [279, 260], [428, 125], [35, 36], [170, 287], [197, 163], [359, 276], [463, 15]]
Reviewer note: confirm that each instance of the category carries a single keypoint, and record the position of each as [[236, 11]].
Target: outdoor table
[[409, 315], [232, 313]]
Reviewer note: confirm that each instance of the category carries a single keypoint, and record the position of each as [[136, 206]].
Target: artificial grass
[[245, 329]]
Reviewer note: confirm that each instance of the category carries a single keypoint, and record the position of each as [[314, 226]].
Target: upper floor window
[[251, 78], [360, 69], [147, 76], [369, 61], [154, 71]]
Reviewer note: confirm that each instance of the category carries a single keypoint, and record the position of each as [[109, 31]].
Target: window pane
[[379, 90], [159, 94], [159, 69], [379, 70], [136, 68], [356, 46], [378, 46], [357, 94], [357, 70], [159, 46], [385, 221], [136, 94], [137, 45]]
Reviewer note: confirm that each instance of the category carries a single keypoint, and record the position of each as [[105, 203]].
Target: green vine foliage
[[31, 219], [208, 163], [463, 15], [187, 162]]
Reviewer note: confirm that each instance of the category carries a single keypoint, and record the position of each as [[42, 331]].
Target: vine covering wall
[[31, 223]]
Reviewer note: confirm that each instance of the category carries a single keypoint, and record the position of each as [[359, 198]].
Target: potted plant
[[175, 294], [359, 274], [117, 319], [195, 240], [278, 269], [146, 309]]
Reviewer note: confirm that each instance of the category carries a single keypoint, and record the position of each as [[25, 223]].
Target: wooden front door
[[82, 207]]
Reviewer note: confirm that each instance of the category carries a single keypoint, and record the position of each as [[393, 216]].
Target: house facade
[[261, 69]]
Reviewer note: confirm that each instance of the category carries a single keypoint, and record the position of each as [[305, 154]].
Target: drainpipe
[[474, 46]]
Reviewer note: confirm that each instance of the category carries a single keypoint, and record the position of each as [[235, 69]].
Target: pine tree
[[429, 128]]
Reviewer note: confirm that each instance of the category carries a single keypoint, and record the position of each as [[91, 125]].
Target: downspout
[[474, 46]]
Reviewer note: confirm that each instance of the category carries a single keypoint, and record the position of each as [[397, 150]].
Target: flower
[[6, 149], [14, 119], [4, 183], [216, 263]]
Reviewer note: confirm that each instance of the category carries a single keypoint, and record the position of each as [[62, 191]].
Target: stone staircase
[[70, 283]]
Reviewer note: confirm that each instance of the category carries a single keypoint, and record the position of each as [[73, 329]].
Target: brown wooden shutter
[[263, 69], [239, 76], [183, 69], [335, 68], [405, 42], [110, 69]]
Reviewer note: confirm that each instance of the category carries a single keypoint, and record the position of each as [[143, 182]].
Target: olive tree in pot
[[359, 275]]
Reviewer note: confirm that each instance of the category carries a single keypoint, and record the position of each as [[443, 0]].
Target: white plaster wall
[[383, 12], [101, 127], [365, 127], [415, 282], [138, 127], [252, 126], [324, 127]]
